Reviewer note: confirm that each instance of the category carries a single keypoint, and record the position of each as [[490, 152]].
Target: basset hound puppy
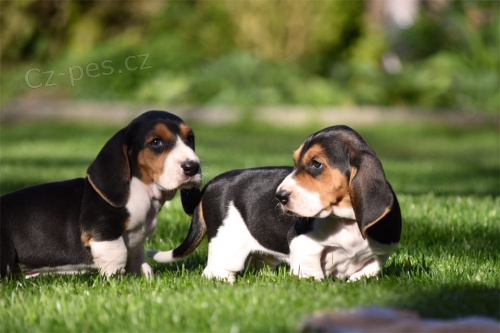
[[101, 222], [333, 214]]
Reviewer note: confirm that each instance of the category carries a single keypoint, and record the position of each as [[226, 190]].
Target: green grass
[[447, 265]]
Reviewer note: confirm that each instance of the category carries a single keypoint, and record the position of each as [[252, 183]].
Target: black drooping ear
[[374, 203], [109, 174], [190, 199]]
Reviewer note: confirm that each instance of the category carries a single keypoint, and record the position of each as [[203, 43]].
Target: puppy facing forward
[[333, 214], [102, 221]]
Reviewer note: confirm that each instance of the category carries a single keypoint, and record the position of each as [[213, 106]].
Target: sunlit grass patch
[[447, 264]]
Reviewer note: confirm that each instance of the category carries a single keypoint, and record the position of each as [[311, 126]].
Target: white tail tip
[[161, 256]]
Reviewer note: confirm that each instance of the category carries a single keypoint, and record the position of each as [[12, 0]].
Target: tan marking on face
[[331, 185], [150, 163], [162, 131], [86, 239], [184, 130], [296, 154]]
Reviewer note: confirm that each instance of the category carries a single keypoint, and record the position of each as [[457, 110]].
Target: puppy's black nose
[[283, 196], [190, 168]]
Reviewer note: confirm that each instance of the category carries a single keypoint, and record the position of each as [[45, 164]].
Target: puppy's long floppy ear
[[374, 203], [190, 198], [109, 174]]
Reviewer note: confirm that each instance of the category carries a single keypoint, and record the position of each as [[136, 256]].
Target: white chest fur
[[340, 249], [143, 206]]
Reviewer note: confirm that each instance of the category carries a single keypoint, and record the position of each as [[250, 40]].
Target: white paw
[[220, 274], [147, 271]]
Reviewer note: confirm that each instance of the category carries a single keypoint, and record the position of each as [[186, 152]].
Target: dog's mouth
[[324, 212], [192, 182], [287, 211], [165, 190], [166, 194]]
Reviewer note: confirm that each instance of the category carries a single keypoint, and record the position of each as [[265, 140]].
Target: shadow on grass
[[195, 262], [424, 178], [451, 301], [460, 241]]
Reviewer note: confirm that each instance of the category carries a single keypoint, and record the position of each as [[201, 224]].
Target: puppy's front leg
[[305, 257], [110, 257], [370, 268], [138, 264]]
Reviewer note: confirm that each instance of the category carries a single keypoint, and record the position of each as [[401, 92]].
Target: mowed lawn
[[447, 264]]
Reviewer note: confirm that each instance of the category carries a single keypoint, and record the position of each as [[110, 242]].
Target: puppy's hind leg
[[225, 259], [110, 257], [229, 249]]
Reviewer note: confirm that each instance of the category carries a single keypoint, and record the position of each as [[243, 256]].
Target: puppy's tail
[[197, 231]]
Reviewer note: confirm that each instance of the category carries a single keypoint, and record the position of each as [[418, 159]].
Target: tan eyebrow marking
[[161, 131], [296, 154], [185, 130], [151, 164], [331, 184]]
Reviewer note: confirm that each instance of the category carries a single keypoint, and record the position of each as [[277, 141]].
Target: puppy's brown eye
[[156, 144], [316, 165]]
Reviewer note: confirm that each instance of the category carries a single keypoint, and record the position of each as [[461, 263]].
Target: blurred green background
[[433, 55], [432, 60]]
